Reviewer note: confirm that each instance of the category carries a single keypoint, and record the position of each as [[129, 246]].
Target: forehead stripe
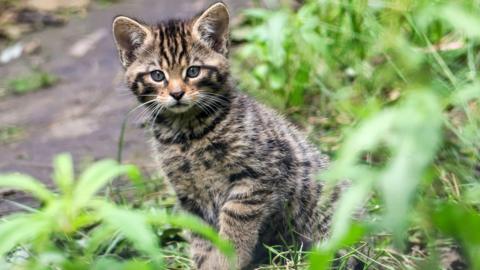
[[164, 47], [172, 43], [183, 54]]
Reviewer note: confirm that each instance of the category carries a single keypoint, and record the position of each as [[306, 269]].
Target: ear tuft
[[211, 27], [129, 35]]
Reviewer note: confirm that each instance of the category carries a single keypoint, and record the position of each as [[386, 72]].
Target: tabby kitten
[[231, 161]]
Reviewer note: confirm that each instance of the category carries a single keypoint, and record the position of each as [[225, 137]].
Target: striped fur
[[233, 162]]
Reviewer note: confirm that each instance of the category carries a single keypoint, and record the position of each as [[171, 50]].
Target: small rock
[[350, 72], [7, 17], [11, 53], [17, 50], [14, 31], [393, 95], [81, 47], [52, 5], [39, 18], [31, 47]]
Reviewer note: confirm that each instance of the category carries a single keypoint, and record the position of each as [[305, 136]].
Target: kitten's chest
[[199, 176]]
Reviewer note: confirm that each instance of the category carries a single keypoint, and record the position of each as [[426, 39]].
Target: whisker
[[141, 116], [217, 99], [142, 104], [148, 116], [211, 109], [202, 107], [214, 103], [201, 102], [212, 94], [159, 110], [146, 108], [149, 112]]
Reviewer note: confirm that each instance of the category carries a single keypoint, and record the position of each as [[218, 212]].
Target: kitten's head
[[177, 64]]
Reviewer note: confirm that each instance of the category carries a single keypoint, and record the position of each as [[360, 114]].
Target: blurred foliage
[[391, 89], [77, 229], [10, 133]]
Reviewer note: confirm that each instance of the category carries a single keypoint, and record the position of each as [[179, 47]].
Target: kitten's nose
[[177, 95]]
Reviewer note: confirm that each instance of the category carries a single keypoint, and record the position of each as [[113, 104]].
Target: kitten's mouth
[[179, 107]]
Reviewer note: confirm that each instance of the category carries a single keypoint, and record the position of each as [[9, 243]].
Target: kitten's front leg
[[240, 220], [205, 256]]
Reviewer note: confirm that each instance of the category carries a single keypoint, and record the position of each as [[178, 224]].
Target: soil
[[82, 114]]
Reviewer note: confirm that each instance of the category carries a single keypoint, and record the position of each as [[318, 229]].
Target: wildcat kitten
[[231, 161]]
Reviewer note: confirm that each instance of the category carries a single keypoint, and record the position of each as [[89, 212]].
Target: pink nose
[[177, 95]]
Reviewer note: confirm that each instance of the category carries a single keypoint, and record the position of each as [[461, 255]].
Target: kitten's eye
[[193, 71], [157, 75]]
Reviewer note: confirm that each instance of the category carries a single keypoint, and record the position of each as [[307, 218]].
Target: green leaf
[[349, 203], [100, 236], [136, 265], [134, 226], [195, 225], [465, 94], [26, 183], [461, 223], [94, 178], [18, 229], [63, 173], [322, 256], [296, 95], [462, 19], [276, 35], [320, 259], [135, 176], [458, 221], [277, 79], [472, 194], [256, 13], [109, 264]]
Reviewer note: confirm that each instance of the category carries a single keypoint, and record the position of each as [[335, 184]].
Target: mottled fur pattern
[[231, 161]]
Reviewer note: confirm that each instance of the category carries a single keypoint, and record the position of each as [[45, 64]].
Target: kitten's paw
[[213, 261]]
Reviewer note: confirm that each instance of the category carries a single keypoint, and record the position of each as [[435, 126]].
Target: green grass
[[31, 82], [10, 134], [106, 3], [389, 89]]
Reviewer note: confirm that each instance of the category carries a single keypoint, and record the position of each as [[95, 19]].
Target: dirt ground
[[81, 114]]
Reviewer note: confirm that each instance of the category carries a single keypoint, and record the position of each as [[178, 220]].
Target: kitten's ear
[[129, 35], [211, 27]]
